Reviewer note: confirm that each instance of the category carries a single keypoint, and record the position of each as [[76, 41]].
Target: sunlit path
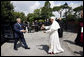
[[38, 42]]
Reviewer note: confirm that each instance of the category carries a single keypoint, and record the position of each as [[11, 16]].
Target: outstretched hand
[[22, 30], [44, 31], [42, 27]]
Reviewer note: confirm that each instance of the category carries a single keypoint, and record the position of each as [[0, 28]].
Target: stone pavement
[[76, 49], [38, 42]]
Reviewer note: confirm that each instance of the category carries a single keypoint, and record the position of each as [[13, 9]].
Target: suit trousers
[[22, 40]]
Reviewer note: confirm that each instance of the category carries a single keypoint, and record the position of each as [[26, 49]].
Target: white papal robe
[[55, 46]]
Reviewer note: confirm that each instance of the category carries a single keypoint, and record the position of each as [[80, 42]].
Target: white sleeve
[[47, 27], [81, 29], [50, 30], [55, 26]]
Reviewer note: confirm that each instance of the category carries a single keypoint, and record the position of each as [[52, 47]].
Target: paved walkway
[[38, 42], [76, 49]]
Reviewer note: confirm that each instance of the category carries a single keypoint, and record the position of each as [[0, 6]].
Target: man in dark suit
[[60, 31], [36, 25], [47, 22], [19, 30]]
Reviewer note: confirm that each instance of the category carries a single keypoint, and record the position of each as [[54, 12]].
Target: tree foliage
[[19, 15], [8, 13], [77, 11], [45, 12], [6, 10], [60, 8]]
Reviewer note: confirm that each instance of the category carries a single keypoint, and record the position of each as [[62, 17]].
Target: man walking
[[19, 30]]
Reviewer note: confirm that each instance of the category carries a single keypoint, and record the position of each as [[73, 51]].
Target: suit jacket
[[17, 28]]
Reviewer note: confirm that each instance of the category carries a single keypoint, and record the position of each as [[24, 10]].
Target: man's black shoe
[[27, 48], [15, 49]]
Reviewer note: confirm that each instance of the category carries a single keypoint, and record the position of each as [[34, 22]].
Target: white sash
[[81, 29]]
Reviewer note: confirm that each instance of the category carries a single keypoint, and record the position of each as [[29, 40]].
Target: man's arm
[[50, 30], [16, 28], [47, 27], [53, 28]]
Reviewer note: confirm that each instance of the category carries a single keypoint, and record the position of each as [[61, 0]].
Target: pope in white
[[55, 46]]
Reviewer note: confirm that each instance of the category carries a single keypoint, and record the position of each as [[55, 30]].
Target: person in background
[[60, 31], [47, 22], [40, 24], [28, 27], [79, 38], [36, 25], [24, 25]]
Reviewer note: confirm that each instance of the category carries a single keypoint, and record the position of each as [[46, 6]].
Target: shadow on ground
[[80, 52], [44, 47], [18, 44], [71, 42], [76, 52]]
